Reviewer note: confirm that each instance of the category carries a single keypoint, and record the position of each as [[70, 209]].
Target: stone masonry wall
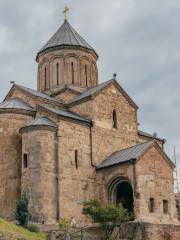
[[155, 180], [107, 140], [76, 182], [10, 160], [152, 179], [148, 231], [39, 178], [105, 177]]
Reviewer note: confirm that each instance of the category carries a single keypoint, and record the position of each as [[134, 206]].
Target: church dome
[[66, 59], [15, 104], [66, 36]]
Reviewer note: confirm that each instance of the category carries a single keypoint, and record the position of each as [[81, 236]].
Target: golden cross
[[66, 9]]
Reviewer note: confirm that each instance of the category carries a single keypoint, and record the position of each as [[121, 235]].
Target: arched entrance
[[120, 191]]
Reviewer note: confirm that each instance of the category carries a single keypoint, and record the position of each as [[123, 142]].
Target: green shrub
[[33, 228], [22, 213], [108, 216]]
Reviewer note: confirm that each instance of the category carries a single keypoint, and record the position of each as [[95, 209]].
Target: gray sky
[[137, 39]]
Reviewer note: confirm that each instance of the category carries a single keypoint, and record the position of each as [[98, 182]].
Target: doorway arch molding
[[120, 190]]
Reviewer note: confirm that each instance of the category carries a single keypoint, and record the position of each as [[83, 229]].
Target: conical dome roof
[[42, 121], [66, 35]]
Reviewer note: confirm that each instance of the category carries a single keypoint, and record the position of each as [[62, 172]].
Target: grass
[[10, 229]]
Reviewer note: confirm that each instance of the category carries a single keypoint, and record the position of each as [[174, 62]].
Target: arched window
[[76, 159], [25, 160], [72, 72], [45, 78], [86, 78], [114, 119], [57, 73]]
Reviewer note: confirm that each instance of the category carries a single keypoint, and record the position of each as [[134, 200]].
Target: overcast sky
[[137, 39]]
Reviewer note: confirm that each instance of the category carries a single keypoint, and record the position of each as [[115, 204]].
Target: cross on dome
[[66, 9]]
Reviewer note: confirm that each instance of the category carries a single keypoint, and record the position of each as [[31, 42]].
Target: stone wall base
[[148, 231], [128, 231]]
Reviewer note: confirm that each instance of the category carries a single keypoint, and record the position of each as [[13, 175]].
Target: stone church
[[75, 139]]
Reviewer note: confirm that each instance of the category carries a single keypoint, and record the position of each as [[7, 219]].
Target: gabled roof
[[74, 88], [66, 35], [15, 104], [34, 93], [67, 114], [128, 154], [92, 92], [42, 121]]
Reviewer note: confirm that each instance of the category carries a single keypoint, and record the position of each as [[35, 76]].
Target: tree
[[22, 214], [108, 216]]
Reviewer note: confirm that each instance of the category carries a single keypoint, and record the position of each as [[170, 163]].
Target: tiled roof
[[125, 155], [66, 35], [42, 121], [15, 104], [67, 114]]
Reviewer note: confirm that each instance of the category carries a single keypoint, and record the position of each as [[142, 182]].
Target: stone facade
[[10, 159], [150, 177], [100, 110], [41, 172], [54, 151], [155, 180]]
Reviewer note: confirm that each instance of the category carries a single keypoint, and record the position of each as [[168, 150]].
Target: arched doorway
[[120, 191]]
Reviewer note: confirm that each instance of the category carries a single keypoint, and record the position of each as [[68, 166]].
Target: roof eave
[[90, 97], [34, 96], [37, 127], [87, 122], [116, 164], [18, 111], [65, 46], [141, 133]]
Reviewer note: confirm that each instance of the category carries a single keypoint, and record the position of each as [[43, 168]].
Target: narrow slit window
[[72, 72], [25, 160], [45, 78], [76, 159], [86, 78], [151, 205], [177, 205], [165, 206], [114, 119], [57, 73]]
